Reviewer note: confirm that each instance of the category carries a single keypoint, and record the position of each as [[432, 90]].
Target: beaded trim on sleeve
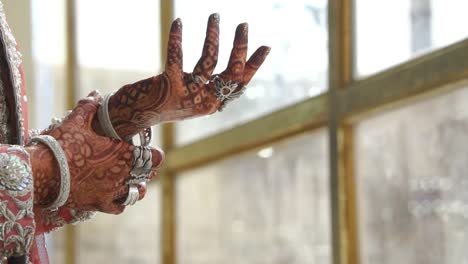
[[4, 114], [14, 60], [15, 174], [16, 234]]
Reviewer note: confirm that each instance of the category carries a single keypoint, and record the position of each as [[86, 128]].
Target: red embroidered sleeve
[[17, 225]]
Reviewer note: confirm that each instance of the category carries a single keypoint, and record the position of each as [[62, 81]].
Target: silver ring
[[142, 164], [198, 79], [146, 136], [133, 196], [140, 173], [225, 91]]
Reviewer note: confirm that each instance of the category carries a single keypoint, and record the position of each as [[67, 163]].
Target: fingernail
[[243, 28], [177, 23], [214, 18]]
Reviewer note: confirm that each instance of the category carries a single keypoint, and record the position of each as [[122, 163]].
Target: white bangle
[[59, 155]]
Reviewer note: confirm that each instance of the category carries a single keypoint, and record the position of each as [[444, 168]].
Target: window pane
[[48, 45], [295, 69], [411, 178], [390, 32], [113, 51], [132, 237], [57, 246], [270, 206], [117, 45]]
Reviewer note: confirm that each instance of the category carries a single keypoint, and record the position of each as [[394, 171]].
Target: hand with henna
[[99, 166], [176, 95]]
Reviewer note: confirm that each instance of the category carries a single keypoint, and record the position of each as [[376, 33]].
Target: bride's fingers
[[254, 63], [174, 52], [238, 54], [209, 57]]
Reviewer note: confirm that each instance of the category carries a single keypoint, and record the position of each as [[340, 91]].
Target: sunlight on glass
[[119, 34], [48, 46], [266, 153], [391, 32], [48, 31], [118, 43], [298, 62]]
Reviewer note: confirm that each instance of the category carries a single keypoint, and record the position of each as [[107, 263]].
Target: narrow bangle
[[104, 119], [108, 128], [59, 155]]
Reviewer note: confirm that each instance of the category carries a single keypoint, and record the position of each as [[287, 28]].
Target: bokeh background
[[275, 178]]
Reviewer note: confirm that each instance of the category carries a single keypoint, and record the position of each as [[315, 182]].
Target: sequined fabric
[[16, 202], [4, 113], [14, 60], [18, 236]]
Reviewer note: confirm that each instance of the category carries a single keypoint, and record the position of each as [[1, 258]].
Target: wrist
[[45, 174], [140, 105]]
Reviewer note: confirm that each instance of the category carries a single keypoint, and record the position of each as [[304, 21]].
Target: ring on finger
[[133, 196], [226, 91], [142, 165], [199, 78], [140, 173]]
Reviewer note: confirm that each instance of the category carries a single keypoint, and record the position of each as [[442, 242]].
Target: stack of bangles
[[142, 156]]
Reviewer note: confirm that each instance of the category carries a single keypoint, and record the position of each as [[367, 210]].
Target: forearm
[[145, 103]]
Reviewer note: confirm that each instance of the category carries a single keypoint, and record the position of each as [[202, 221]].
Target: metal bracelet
[[140, 173], [104, 119], [133, 195], [108, 128], [146, 136], [59, 155], [142, 164]]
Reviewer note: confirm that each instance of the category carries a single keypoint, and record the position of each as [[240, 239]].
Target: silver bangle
[[59, 154], [104, 119], [108, 128]]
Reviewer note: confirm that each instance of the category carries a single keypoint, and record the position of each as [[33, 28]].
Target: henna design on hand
[[176, 95], [99, 166], [45, 173]]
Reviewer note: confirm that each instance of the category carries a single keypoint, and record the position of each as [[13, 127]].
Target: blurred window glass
[[132, 237], [391, 32], [295, 69], [118, 43], [266, 206], [48, 45], [411, 180]]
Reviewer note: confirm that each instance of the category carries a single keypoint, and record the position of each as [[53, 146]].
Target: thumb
[[85, 111]]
